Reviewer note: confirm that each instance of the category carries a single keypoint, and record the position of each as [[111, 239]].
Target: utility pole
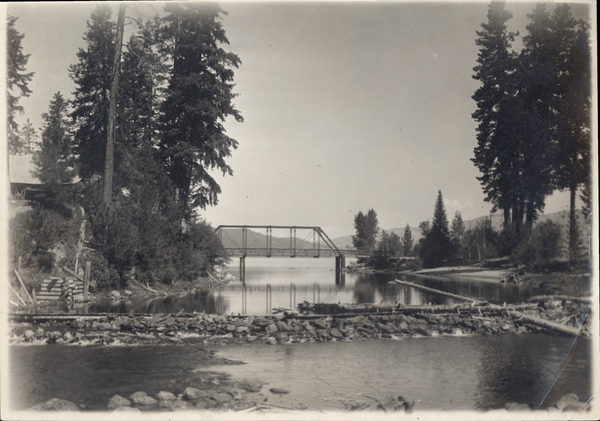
[[112, 111]]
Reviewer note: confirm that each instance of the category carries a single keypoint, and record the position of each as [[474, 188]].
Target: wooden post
[[24, 287], [86, 280]]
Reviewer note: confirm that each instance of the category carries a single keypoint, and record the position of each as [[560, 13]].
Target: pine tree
[[17, 81], [407, 241], [437, 247], [92, 77], [198, 99], [28, 137], [54, 159], [497, 154]]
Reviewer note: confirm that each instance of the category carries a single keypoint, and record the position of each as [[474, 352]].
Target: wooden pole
[[24, 287], [86, 280], [435, 291], [17, 294]]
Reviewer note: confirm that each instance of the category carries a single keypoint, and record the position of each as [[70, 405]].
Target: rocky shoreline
[[402, 322]]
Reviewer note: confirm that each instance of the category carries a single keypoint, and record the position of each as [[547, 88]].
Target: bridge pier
[[340, 262], [243, 269]]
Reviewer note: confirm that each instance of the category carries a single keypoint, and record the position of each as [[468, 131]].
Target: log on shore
[[435, 291]]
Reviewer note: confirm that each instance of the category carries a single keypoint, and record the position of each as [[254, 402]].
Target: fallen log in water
[[545, 323], [542, 298], [435, 291]]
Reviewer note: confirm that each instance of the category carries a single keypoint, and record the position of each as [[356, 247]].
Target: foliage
[[436, 247], [541, 246], [407, 241], [367, 228], [457, 232], [480, 241], [92, 77], [533, 113], [45, 237], [197, 101], [54, 159], [17, 81], [495, 156], [507, 240]]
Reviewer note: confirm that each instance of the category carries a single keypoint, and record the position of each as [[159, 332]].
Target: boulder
[[388, 329], [251, 385], [335, 332], [128, 293], [78, 324], [118, 401], [192, 393], [242, 329], [29, 335], [319, 324], [272, 328], [115, 295], [39, 332], [55, 405], [181, 405], [141, 398], [283, 327], [566, 400], [279, 391], [165, 396], [231, 327]]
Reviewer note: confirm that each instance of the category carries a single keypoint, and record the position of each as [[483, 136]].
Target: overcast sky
[[347, 106]]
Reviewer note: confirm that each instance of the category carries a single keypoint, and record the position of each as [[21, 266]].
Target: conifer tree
[[407, 241], [54, 159], [437, 247], [198, 99], [92, 77], [17, 81]]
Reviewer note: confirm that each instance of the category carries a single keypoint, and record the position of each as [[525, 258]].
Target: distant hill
[[233, 238]]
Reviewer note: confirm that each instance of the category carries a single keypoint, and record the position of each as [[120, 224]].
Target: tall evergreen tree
[[573, 107], [437, 246], [28, 137], [92, 77], [198, 99], [407, 241], [17, 81], [457, 232], [54, 160], [497, 154]]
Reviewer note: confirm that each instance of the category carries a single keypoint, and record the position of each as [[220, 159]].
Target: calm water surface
[[475, 372], [285, 282]]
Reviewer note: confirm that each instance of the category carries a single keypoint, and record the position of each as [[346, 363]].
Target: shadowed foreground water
[[477, 372]]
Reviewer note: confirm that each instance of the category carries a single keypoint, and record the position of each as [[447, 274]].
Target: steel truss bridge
[[291, 241]]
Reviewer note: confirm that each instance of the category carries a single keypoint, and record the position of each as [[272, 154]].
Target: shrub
[[45, 237], [541, 246]]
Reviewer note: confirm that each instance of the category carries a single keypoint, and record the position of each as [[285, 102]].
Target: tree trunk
[[572, 223], [112, 111]]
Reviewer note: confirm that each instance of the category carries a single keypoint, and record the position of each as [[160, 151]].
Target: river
[[285, 282], [448, 372]]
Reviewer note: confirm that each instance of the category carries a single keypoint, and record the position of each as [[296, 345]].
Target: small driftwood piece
[[545, 323], [435, 291], [542, 298], [17, 294]]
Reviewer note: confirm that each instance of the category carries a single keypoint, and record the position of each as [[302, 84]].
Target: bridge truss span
[[277, 241]]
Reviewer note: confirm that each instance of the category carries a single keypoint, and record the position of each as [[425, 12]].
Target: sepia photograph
[[300, 210]]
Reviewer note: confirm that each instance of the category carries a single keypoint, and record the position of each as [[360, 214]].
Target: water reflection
[[283, 283]]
